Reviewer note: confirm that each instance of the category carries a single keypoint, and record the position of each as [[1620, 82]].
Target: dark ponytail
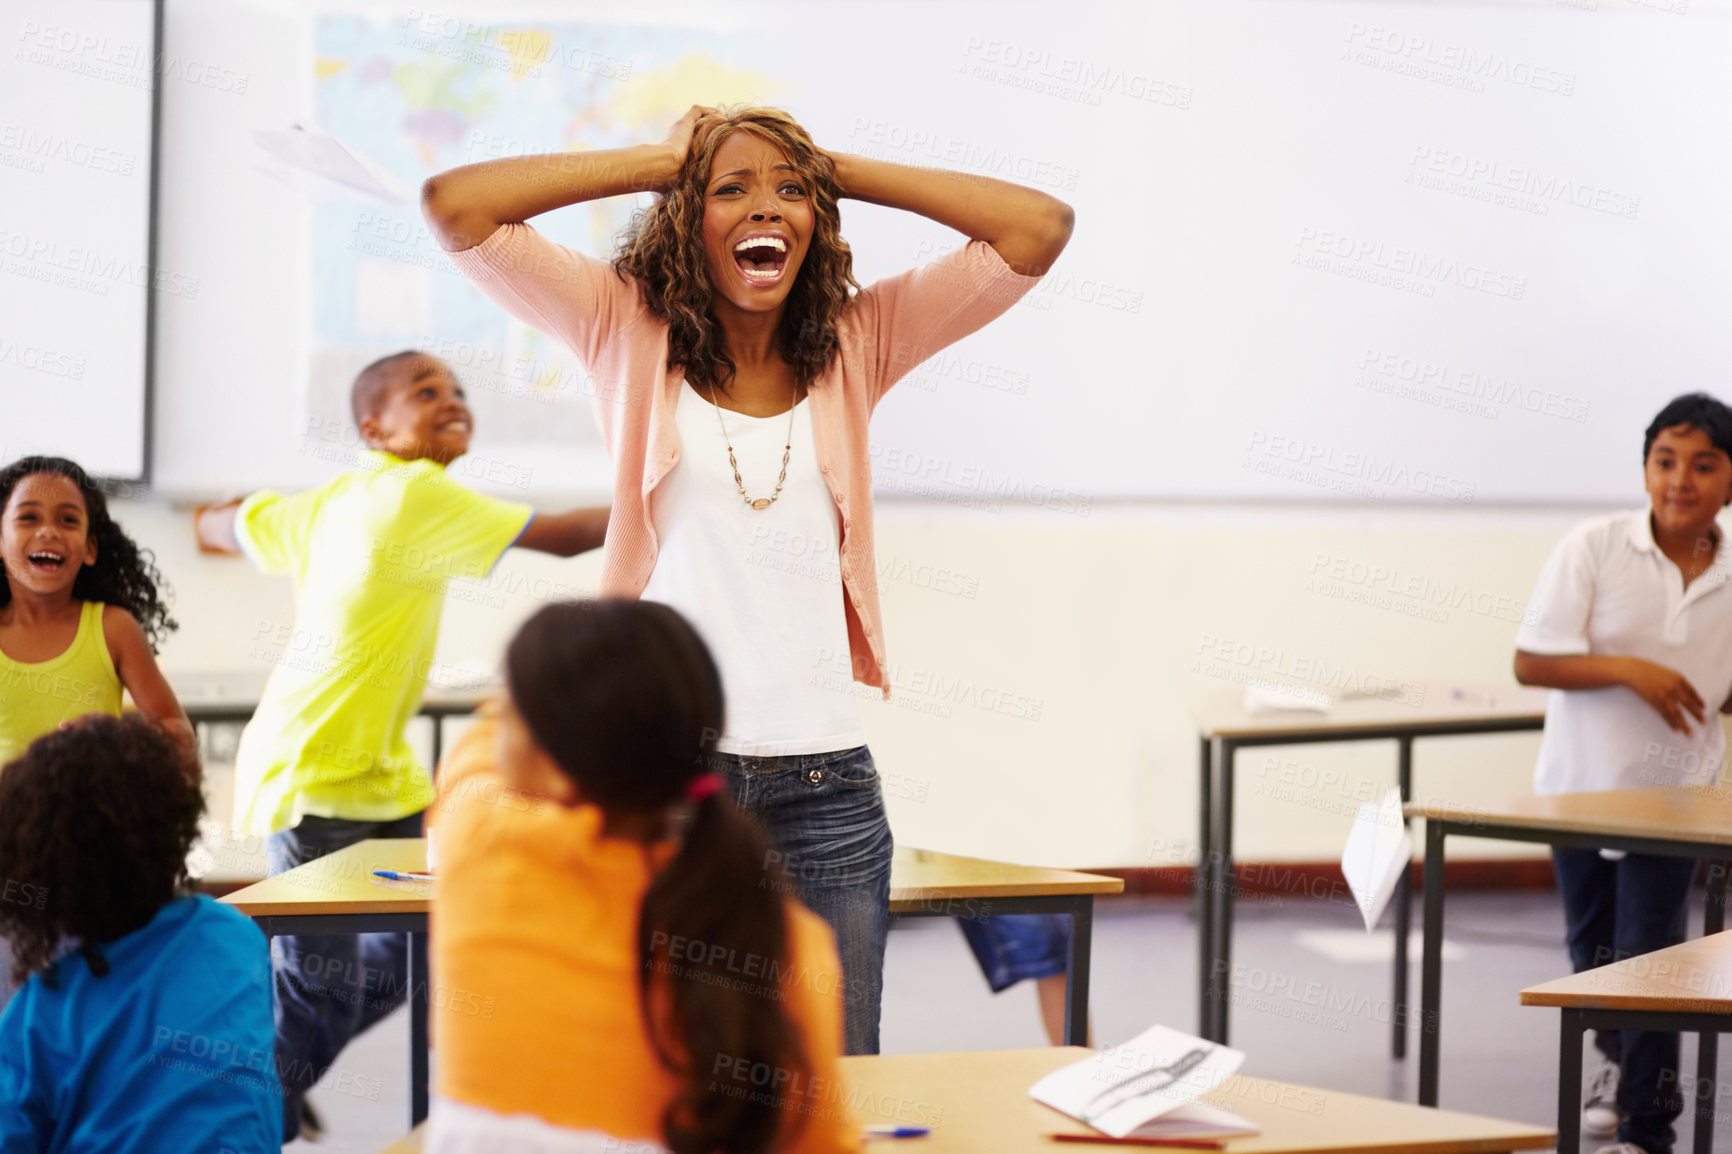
[[627, 701]]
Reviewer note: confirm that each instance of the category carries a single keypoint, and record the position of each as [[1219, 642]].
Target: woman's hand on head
[[679, 137]]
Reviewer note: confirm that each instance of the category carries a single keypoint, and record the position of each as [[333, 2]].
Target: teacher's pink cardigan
[[887, 328]]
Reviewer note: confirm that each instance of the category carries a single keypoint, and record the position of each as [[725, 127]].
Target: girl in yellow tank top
[[81, 610]]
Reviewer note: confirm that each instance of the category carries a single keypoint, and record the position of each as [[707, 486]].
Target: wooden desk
[[338, 894], [978, 1102], [1682, 821], [1683, 987], [981, 1103], [1225, 727], [926, 883], [233, 696]]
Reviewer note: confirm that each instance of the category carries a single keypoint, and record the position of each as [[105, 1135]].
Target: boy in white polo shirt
[[1632, 624]]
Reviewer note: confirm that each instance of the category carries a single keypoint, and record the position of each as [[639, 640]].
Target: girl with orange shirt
[[616, 955]]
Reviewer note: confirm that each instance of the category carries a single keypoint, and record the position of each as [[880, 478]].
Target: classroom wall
[[1089, 629], [1044, 662], [1342, 167]]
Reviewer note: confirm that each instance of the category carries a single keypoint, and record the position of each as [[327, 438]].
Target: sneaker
[[1600, 1111], [1621, 1148]]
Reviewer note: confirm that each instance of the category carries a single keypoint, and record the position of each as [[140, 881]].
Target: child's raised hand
[[1669, 692], [214, 526]]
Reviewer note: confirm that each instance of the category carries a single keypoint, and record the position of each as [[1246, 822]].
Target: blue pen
[[897, 1131], [403, 876]]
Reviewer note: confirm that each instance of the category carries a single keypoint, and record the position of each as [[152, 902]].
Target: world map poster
[[420, 94]]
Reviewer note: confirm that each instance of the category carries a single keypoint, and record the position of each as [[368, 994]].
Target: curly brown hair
[[663, 248], [95, 823], [124, 574]]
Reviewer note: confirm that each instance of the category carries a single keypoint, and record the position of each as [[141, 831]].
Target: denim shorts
[[1013, 947]]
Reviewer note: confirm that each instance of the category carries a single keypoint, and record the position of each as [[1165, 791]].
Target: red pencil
[[1171, 1143]]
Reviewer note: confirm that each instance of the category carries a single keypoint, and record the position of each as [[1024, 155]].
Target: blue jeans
[[823, 814], [329, 987], [7, 988], [1615, 910]]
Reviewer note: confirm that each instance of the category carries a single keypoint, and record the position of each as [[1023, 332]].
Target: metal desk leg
[[1707, 1044], [276, 1056], [1707, 1074], [1222, 965], [1076, 971], [1570, 1083], [1431, 967], [1714, 911], [1403, 909], [1204, 880], [418, 994]]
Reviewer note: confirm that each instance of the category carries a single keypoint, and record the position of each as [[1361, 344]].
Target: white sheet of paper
[[1280, 698], [465, 675], [1125, 1087], [1377, 848], [321, 167], [1195, 1120]]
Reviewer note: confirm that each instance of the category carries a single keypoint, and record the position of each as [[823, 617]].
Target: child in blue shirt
[[153, 1031]]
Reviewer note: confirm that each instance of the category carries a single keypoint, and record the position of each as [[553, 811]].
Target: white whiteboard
[[1325, 250], [1310, 319], [75, 274]]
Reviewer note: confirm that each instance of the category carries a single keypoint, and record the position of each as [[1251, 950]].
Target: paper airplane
[[318, 165], [1377, 850]]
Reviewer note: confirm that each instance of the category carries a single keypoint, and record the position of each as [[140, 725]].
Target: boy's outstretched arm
[[1669, 692], [136, 666], [215, 526], [566, 534]]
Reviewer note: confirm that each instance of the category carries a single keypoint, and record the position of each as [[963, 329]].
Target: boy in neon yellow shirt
[[325, 762]]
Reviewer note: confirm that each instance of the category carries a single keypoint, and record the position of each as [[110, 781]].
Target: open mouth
[[761, 258], [46, 559]]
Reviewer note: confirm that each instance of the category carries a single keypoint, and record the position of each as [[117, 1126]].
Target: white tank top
[[762, 587]]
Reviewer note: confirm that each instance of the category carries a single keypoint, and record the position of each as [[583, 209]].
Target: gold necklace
[[758, 503]]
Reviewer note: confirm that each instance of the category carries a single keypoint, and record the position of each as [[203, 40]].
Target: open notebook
[[1148, 1088]]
